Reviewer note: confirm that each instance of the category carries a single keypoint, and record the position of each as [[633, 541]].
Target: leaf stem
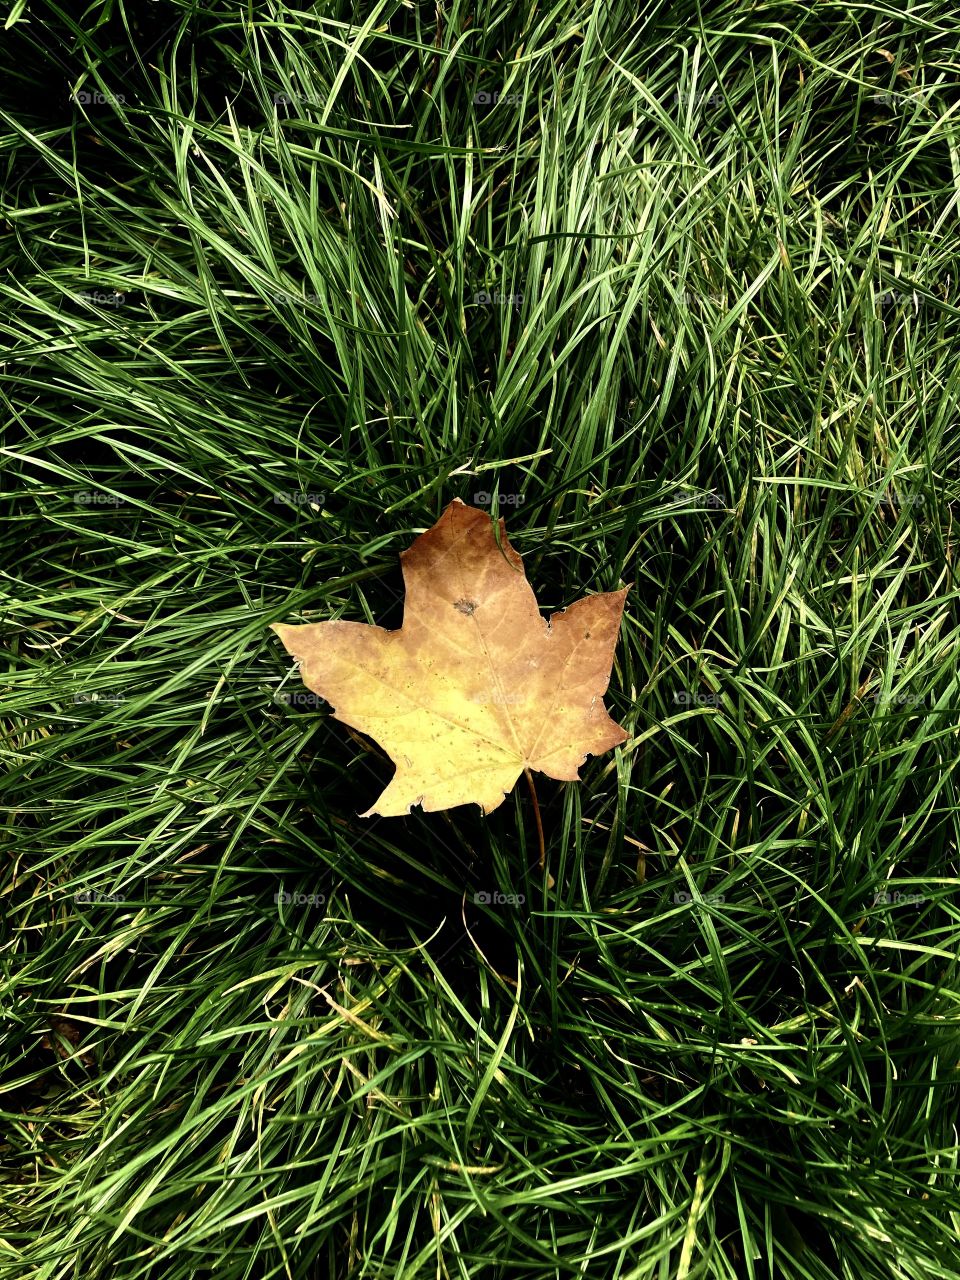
[[536, 813]]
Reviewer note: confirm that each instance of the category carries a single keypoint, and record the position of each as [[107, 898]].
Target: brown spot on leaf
[[465, 606]]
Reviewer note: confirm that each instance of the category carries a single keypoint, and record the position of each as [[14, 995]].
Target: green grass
[[248, 1034]]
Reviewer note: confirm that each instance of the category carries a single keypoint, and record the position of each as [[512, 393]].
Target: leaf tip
[[282, 630]]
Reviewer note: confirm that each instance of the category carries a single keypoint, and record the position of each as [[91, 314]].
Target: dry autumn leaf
[[476, 686]]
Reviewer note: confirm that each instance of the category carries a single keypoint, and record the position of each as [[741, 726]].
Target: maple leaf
[[476, 686]]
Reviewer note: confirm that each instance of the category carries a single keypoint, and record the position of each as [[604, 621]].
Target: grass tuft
[[674, 292]]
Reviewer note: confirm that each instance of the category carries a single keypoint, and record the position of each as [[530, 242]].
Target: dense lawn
[[673, 291]]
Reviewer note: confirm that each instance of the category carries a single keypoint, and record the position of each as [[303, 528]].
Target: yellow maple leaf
[[476, 686]]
